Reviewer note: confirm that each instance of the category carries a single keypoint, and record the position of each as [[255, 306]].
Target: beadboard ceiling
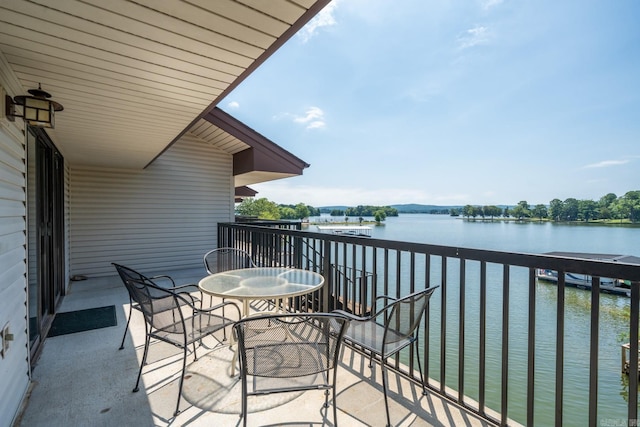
[[133, 75]]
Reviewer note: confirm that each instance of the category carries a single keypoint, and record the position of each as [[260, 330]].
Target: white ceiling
[[133, 75]]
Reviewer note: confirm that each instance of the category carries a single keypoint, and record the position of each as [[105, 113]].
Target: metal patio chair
[[173, 317], [224, 259], [389, 330], [282, 353], [127, 273]]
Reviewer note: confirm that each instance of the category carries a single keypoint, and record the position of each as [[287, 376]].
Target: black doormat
[[83, 320]]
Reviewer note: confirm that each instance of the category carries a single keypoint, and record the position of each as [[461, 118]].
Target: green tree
[[521, 210], [507, 212], [587, 210], [606, 200], [337, 212], [468, 211], [302, 211], [260, 208], [379, 216], [556, 209], [287, 212], [539, 211], [571, 208], [630, 205], [605, 206], [492, 211]]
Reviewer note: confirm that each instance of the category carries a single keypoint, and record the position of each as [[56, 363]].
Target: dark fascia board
[[277, 44], [245, 191], [261, 146]]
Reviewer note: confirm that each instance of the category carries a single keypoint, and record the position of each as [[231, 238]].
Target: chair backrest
[[127, 273], [289, 345], [224, 259], [402, 317], [161, 307]]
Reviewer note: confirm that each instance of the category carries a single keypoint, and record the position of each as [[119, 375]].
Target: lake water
[[530, 238]]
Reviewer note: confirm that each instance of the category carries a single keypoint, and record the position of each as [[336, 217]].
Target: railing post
[[633, 353], [531, 348], [504, 396], [328, 277], [560, 349], [593, 352]]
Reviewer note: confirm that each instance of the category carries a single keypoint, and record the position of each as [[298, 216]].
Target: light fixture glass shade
[[37, 109]]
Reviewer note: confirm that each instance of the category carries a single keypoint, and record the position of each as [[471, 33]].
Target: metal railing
[[484, 317]]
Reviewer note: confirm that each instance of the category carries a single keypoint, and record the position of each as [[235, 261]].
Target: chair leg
[[424, 387], [146, 334], [384, 390], [144, 360], [335, 409], [184, 367], [126, 328], [244, 411], [224, 330]]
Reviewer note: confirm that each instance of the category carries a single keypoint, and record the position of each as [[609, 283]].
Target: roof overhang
[[255, 158], [244, 192], [135, 75]]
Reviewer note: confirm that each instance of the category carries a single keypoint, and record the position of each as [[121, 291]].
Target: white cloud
[[323, 19], [606, 164], [313, 118], [488, 4], [316, 125], [475, 36], [233, 105]]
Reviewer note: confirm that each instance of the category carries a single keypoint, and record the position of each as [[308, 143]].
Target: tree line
[[609, 207], [265, 209]]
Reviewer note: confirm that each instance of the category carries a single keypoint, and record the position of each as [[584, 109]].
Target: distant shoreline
[[606, 222]]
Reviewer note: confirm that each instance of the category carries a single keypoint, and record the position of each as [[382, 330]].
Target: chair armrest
[[218, 307], [386, 298], [165, 277], [175, 287]]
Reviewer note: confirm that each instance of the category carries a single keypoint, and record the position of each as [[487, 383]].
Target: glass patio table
[[261, 283]]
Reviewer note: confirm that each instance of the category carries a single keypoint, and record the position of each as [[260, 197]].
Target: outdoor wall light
[[37, 110]]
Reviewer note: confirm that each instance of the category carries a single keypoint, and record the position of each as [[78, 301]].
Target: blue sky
[[453, 102]]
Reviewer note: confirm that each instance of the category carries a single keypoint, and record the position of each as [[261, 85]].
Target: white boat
[[583, 281]]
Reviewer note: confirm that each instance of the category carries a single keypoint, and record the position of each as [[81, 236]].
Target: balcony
[[494, 356], [83, 379]]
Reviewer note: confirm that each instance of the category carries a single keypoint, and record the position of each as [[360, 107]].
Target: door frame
[[46, 231]]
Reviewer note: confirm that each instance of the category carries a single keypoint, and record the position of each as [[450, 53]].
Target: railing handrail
[[593, 267]]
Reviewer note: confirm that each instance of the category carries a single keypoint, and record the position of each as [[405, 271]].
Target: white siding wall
[[158, 219], [14, 368]]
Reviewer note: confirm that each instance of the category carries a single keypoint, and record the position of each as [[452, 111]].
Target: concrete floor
[[82, 379]]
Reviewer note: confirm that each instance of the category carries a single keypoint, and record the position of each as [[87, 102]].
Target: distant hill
[[406, 208], [328, 209], [410, 208]]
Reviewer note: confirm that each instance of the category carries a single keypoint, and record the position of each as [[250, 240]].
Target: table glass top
[[261, 282]]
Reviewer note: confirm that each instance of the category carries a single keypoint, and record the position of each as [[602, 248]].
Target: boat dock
[[608, 285], [349, 230]]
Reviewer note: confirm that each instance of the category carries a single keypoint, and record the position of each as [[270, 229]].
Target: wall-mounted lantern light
[[37, 109]]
